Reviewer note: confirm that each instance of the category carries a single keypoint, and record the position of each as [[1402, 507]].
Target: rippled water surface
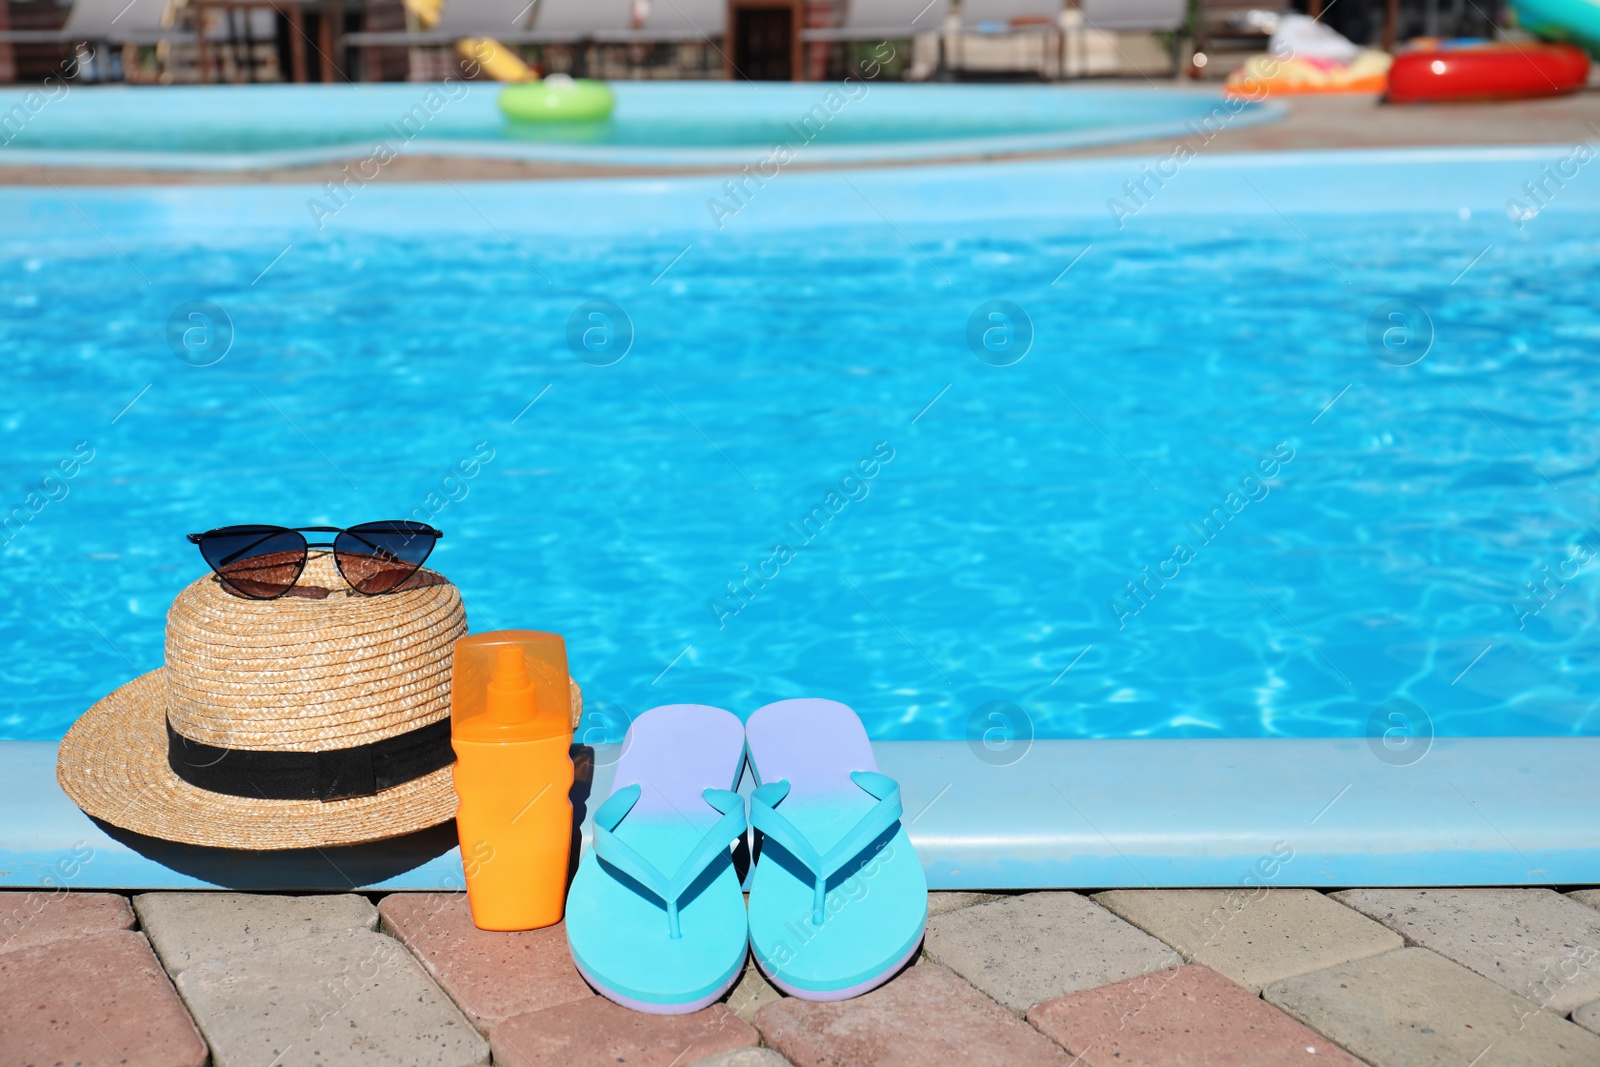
[[1385, 558]]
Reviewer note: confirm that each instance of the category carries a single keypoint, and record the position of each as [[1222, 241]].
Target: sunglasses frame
[[268, 531]]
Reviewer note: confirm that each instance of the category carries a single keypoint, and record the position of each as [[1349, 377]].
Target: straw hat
[[290, 723]]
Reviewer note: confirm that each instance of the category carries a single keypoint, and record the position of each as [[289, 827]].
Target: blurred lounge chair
[[563, 22], [685, 20], [108, 22], [879, 20], [884, 20], [1120, 16], [1039, 19], [1001, 16], [501, 20], [484, 18], [139, 22], [1235, 29], [1154, 15]]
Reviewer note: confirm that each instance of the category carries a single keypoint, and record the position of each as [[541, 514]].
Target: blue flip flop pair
[[656, 919]]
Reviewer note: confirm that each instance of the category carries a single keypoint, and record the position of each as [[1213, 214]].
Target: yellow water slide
[[529, 99], [498, 61]]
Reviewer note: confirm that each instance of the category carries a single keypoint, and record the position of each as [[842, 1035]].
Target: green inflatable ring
[[557, 99]]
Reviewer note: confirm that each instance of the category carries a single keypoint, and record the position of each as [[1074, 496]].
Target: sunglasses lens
[[377, 557], [260, 562]]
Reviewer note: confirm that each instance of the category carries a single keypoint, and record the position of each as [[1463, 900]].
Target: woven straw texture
[[113, 763], [295, 674], [298, 674]]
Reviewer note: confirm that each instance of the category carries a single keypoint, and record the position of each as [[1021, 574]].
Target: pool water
[[800, 401], [661, 123]]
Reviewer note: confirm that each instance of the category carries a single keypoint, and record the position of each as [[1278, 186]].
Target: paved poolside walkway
[[1164, 978], [1312, 123]]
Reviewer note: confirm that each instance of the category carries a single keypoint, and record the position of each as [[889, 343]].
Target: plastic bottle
[[511, 727]]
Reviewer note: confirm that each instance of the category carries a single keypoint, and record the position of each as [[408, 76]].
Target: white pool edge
[[1322, 813]]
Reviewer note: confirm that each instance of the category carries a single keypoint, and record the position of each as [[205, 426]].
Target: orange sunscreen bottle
[[511, 727]]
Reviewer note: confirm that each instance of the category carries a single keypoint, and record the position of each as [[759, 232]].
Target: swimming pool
[[810, 370], [654, 124]]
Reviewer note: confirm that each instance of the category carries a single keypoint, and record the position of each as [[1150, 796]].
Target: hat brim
[[113, 764]]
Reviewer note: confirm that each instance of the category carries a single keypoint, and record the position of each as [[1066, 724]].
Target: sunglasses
[[265, 562]]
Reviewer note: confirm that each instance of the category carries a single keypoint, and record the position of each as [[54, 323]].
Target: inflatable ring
[[557, 98], [1488, 72]]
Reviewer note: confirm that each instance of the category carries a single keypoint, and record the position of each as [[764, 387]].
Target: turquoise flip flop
[[838, 902], [655, 915]]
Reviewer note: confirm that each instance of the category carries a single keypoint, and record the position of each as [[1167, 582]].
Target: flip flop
[[838, 901], [655, 915]]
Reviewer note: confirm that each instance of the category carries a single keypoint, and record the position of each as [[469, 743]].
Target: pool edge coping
[[1322, 813]]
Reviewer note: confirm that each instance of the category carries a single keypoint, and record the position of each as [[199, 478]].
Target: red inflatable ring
[[1487, 72]]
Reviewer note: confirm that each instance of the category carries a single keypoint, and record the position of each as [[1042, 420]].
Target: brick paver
[[752, 993], [925, 1016], [492, 976], [284, 980], [1415, 1007], [745, 1057], [1589, 898], [1253, 939], [598, 1033], [100, 999], [1190, 1016], [1535, 942], [350, 997], [198, 927], [940, 903], [36, 916], [1027, 949]]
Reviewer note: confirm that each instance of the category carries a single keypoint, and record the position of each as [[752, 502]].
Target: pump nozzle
[[511, 698]]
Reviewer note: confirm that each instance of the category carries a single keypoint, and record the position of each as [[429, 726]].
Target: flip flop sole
[[847, 992], [875, 907], [617, 930], [652, 1007]]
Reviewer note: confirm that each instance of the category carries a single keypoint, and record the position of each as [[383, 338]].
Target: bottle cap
[[510, 685], [511, 693]]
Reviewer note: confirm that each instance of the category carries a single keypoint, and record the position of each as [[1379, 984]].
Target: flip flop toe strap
[[765, 817], [669, 888]]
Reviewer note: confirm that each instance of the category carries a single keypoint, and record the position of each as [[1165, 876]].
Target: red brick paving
[[490, 976], [1184, 1017], [41, 915], [598, 1033], [925, 1016], [101, 999], [76, 987]]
